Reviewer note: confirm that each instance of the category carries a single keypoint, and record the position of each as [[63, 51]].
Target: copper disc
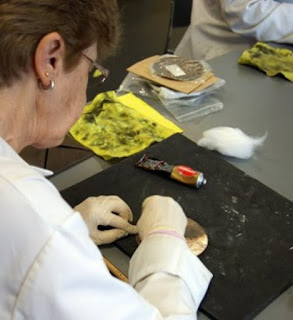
[[195, 236]]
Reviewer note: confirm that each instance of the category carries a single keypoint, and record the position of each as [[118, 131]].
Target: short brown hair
[[81, 23]]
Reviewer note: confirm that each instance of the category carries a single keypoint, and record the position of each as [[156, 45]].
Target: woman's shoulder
[[33, 190]]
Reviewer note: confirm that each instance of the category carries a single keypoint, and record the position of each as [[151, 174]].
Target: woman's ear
[[49, 57]]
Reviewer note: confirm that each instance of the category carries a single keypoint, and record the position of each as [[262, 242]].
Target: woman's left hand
[[108, 211]]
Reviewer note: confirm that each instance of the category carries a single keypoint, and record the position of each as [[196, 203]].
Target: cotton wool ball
[[231, 142]]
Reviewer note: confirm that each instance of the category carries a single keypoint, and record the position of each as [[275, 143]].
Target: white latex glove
[[161, 213], [106, 211]]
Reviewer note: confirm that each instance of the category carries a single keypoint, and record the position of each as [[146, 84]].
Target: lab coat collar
[[7, 151]]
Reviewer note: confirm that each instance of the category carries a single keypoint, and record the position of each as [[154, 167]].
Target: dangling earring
[[51, 85]]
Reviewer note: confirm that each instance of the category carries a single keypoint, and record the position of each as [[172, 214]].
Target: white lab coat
[[220, 26], [50, 269]]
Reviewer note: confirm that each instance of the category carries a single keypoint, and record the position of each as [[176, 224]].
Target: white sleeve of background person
[[231, 142], [208, 34], [264, 20]]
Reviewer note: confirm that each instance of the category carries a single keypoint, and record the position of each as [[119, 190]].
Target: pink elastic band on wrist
[[168, 232]]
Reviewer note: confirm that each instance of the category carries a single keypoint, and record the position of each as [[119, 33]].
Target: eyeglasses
[[98, 74]]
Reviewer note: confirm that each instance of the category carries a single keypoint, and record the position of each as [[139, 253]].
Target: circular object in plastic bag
[[178, 68]]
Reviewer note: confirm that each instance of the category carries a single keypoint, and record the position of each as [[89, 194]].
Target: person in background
[[220, 26], [50, 265]]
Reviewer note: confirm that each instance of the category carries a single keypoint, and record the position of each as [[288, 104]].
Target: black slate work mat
[[249, 225]]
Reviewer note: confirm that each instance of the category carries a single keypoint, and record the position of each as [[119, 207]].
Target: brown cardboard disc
[[195, 236], [169, 66]]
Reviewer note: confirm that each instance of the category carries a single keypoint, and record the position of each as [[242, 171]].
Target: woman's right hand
[[108, 211]]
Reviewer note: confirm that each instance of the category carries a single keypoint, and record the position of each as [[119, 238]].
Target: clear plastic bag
[[167, 94], [189, 106], [137, 85], [182, 106], [187, 110]]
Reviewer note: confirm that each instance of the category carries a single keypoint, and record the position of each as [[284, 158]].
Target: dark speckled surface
[[249, 225]]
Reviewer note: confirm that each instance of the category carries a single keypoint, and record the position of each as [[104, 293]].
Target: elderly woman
[[50, 267]]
